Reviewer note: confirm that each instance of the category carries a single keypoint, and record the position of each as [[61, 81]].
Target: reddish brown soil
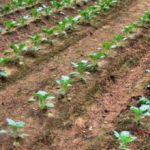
[[83, 120]]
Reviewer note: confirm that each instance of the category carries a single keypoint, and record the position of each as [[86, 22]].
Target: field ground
[[86, 118]]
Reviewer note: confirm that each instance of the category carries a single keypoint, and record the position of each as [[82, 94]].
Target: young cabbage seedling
[[107, 4], [80, 69], [36, 12], [23, 20], [62, 26], [64, 83], [4, 74], [18, 3], [5, 60], [47, 10], [49, 33], [30, 2], [143, 20], [36, 39], [95, 57], [15, 126], [107, 45], [68, 23], [87, 15], [140, 112], [117, 38], [113, 44], [10, 24], [18, 48], [144, 100], [55, 4], [43, 98], [129, 28], [124, 138], [66, 2]]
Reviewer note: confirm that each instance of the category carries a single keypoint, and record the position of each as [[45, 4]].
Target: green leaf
[[50, 105], [20, 124], [107, 45], [116, 134], [15, 124], [4, 74], [11, 122], [144, 100]]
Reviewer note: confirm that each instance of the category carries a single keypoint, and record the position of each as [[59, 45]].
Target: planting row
[[15, 5]]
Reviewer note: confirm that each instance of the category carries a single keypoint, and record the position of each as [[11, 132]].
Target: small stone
[[50, 115], [69, 98], [90, 128]]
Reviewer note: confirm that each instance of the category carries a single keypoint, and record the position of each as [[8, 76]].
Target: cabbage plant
[[64, 83], [44, 100], [140, 112], [124, 138]]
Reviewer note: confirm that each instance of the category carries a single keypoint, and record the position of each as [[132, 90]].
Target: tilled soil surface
[[85, 119]]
